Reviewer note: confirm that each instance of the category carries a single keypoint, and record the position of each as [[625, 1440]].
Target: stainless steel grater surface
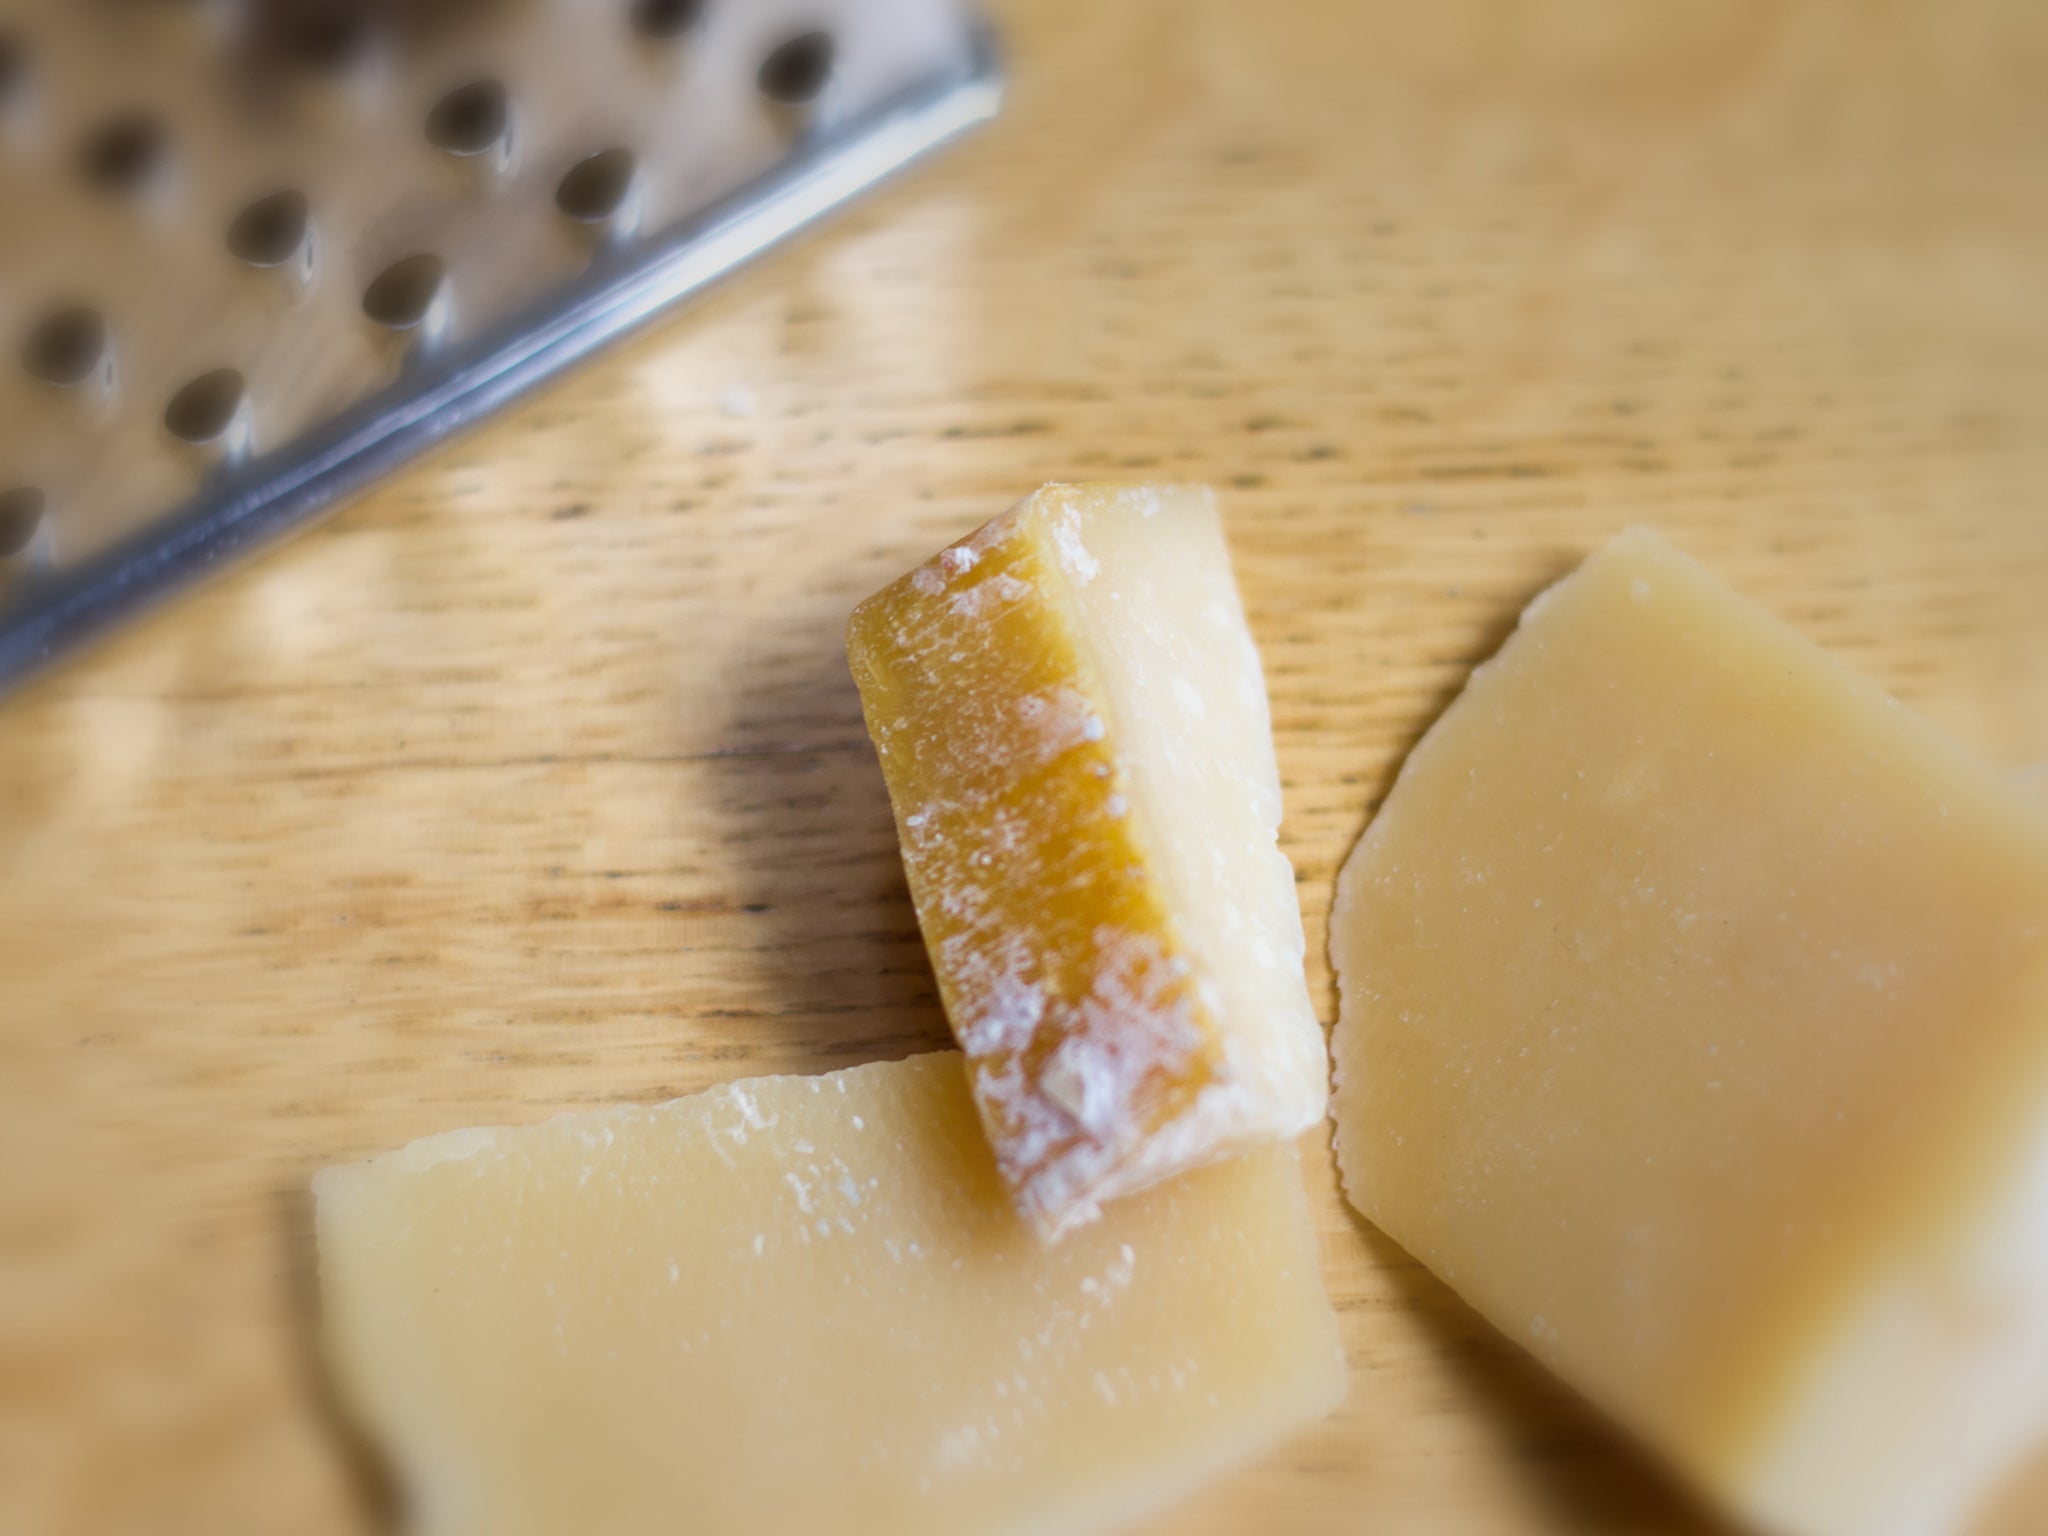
[[254, 253]]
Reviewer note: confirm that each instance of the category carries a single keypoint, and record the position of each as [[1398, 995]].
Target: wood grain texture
[[537, 779]]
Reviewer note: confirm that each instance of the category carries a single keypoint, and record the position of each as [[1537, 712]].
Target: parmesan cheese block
[[1694, 1027], [1072, 721], [805, 1305]]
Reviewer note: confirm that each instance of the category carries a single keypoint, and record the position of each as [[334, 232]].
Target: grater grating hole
[[328, 37], [470, 119], [204, 409], [13, 69], [595, 188], [21, 513], [427, 22], [401, 295], [211, 19], [796, 71], [125, 155], [68, 346], [666, 18], [271, 230]]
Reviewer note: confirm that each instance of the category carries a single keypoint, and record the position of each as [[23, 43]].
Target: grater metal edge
[[254, 504]]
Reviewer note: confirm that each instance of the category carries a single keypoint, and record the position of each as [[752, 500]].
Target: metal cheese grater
[[255, 253]]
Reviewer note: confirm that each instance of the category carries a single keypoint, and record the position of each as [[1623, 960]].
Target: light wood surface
[[537, 779]]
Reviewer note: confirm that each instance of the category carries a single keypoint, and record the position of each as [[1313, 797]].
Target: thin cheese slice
[[1695, 1028], [1073, 724], [805, 1304]]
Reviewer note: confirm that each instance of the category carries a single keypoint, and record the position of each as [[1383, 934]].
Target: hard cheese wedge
[[1695, 1028], [805, 1304], [1073, 724]]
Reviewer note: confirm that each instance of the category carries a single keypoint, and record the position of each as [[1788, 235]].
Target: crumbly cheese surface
[[806, 1304], [1071, 717], [1694, 1027]]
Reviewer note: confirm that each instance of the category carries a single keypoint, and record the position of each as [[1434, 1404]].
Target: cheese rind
[[1070, 714], [805, 1304], [1694, 1026]]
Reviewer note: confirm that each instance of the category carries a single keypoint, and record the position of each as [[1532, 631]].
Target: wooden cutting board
[[537, 780]]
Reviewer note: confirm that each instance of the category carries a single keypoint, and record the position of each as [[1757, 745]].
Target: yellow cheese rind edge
[[1191, 1105], [955, 757]]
